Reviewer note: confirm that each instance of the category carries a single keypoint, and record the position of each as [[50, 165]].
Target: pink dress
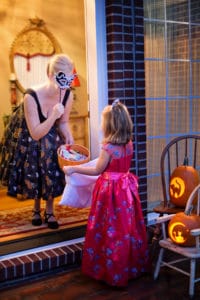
[[115, 248]]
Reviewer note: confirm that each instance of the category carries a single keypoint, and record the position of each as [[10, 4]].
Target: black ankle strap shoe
[[51, 224], [36, 221]]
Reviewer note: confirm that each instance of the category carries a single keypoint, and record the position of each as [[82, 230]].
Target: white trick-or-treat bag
[[79, 188]]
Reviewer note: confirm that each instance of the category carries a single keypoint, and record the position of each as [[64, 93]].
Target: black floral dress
[[28, 167]]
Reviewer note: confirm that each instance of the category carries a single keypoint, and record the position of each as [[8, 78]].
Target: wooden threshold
[[29, 240]]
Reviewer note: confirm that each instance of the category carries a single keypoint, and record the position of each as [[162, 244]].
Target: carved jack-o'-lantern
[[182, 181], [179, 228]]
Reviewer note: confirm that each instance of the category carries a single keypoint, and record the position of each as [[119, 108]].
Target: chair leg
[[192, 276], [158, 264]]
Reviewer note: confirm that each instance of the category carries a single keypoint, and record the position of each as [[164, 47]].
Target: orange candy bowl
[[71, 155]]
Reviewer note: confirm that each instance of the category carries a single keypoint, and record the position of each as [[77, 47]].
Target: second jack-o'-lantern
[[182, 181], [179, 228]]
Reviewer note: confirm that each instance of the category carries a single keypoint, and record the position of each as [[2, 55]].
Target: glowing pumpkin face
[[179, 228], [182, 182]]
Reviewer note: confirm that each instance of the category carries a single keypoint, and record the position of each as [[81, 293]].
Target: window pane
[[178, 116], [195, 11], [155, 79], [154, 191], [154, 9], [195, 42], [178, 78], [154, 150], [154, 40], [195, 115], [177, 10], [156, 118], [196, 79], [177, 41]]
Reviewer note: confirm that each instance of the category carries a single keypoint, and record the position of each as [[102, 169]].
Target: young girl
[[115, 248]]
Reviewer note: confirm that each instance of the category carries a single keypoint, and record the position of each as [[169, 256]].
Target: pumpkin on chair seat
[[179, 228], [182, 181]]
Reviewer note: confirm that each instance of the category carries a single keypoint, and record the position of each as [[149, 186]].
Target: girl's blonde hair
[[60, 62], [117, 125]]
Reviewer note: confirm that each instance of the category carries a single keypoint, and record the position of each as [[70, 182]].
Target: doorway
[[97, 99]]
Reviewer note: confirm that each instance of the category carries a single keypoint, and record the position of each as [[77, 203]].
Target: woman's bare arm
[[38, 130], [64, 121]]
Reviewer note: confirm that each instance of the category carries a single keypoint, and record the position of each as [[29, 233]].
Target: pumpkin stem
[[186, 161]]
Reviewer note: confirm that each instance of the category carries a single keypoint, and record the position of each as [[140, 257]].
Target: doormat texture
[[18, 220]]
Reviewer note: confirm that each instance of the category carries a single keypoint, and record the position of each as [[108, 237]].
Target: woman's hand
[[58, 110], [66, 132], [69, 139]]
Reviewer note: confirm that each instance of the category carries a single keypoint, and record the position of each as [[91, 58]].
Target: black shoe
[[51, 224], [37, 221]]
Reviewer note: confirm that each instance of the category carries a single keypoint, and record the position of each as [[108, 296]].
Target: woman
[[29, 164]]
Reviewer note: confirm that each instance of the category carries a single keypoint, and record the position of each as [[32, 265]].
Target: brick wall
[[126, 76]]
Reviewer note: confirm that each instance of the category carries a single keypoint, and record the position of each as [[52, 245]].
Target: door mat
[[18, 220]]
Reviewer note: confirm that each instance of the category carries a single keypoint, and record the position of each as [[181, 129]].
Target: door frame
[[96, 60]]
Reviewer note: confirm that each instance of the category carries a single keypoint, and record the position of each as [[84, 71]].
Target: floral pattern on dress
[[28, 167], [115, 248]]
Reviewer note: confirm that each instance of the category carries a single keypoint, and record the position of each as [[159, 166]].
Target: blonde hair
[[60, 62], [117, 125]]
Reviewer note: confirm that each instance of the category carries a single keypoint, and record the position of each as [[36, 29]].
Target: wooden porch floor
[[65, 284]]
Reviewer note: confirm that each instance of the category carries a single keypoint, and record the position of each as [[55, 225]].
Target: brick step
[[39, 261]]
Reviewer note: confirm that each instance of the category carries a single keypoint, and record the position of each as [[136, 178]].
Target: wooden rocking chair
[[181, 253], [173, 156]]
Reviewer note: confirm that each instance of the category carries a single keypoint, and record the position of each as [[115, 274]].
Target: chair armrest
[[164, 219], [195, 232]]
